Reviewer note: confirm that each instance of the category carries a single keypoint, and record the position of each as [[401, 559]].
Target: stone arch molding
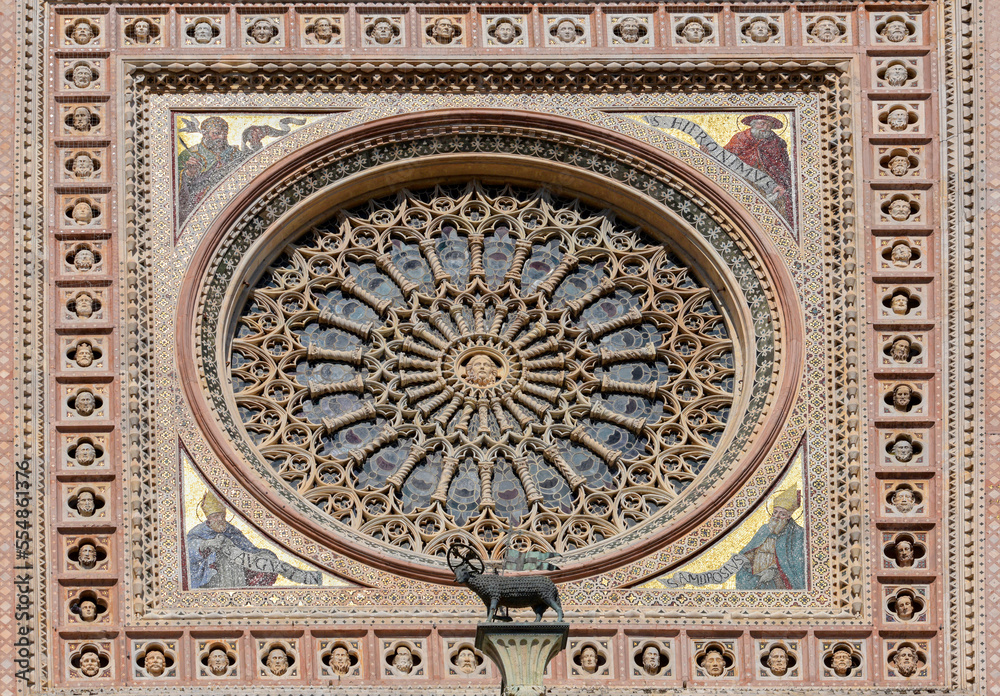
[[708, 232]]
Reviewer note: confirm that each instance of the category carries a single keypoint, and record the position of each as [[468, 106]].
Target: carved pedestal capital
[[521, 652]]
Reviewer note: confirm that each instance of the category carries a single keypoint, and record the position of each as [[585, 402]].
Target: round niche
[[474, 356]]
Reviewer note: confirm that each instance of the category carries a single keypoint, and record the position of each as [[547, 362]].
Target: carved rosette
[[478, 361]]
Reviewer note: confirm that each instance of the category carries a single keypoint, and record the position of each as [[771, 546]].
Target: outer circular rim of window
[[567, 182]]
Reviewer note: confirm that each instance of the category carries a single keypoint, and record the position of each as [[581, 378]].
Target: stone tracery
[[476, 358]]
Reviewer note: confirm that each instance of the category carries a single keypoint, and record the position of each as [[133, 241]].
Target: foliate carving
[[523, 367]]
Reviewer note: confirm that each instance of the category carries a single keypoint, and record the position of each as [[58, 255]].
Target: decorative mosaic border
[[763, 479]]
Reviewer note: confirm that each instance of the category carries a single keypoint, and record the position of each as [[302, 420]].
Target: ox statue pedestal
[[521, 652]]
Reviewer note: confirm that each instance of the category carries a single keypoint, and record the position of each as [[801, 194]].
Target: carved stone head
[[88, 611], [505, 31], [85, 504], [713, 663], [402, 660], [155, 663], [382, 31], [629, 30], [900, 210], [904, 553], [444, 30], [83, 213], [902, 396], [898, 119], [82, 119], [140, 31], [203, 32], [218, 662], [902, 450], [906, 661], [83, 305], [340, 661], [651, 660], [83, 166], [466, 661], [566, 31], [899, 165], [85, 403], [87, 556], [84, 356], [588, 659], [82, 76], [900, 303], [263, 31], [904, 607], [901, 253], [83, 32], [693, 31], [896, 75], [895, 31], [277, 661], [90, 663], [842, 662], [323, 30], [777, 661], [826, 30], [83, 259], [900, 350], [759, 30], [903, 500]]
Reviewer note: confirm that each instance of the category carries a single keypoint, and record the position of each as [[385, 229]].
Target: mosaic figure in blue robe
[[220, 556], [775, 556]]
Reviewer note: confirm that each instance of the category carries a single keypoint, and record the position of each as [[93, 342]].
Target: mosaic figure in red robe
[[760, 147]]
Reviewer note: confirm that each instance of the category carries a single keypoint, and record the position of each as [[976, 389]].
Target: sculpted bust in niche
[[340, 661], [444, 30], [906, 661], [88, 611], [826, 30], [759, 30], [903, 500], [902, 450], [904, 607], [263, 31], [895, 31], [901, 350], [82, 76], [85, 505], [322, 32], [693, 31], [898, 119], [900, 303], [82, 33], [83, 259], [203, 32], [402, 660], [588, 659], [713, 663], [899, 165], [842, 662], [87, 556], [900, 210], [651, 660], [382, 31], [466, 661], [629, 30], [84, 356], [777, 661], [82, 119], [83, 305], [505, 31], [90, 663], [277, 661], [155, 663], [896, 75], [566, 31], [904, 554]]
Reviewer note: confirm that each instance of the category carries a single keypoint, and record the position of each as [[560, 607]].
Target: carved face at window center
[[481, 370]]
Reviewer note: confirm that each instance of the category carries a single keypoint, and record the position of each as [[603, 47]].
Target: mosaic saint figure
[[204, 165], [776, 554], [760, 147], [219, 555]]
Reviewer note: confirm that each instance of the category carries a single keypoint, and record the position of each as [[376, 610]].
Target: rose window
[[484, 362]]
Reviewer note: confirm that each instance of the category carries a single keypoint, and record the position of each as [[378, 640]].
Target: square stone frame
[[151, 89]]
